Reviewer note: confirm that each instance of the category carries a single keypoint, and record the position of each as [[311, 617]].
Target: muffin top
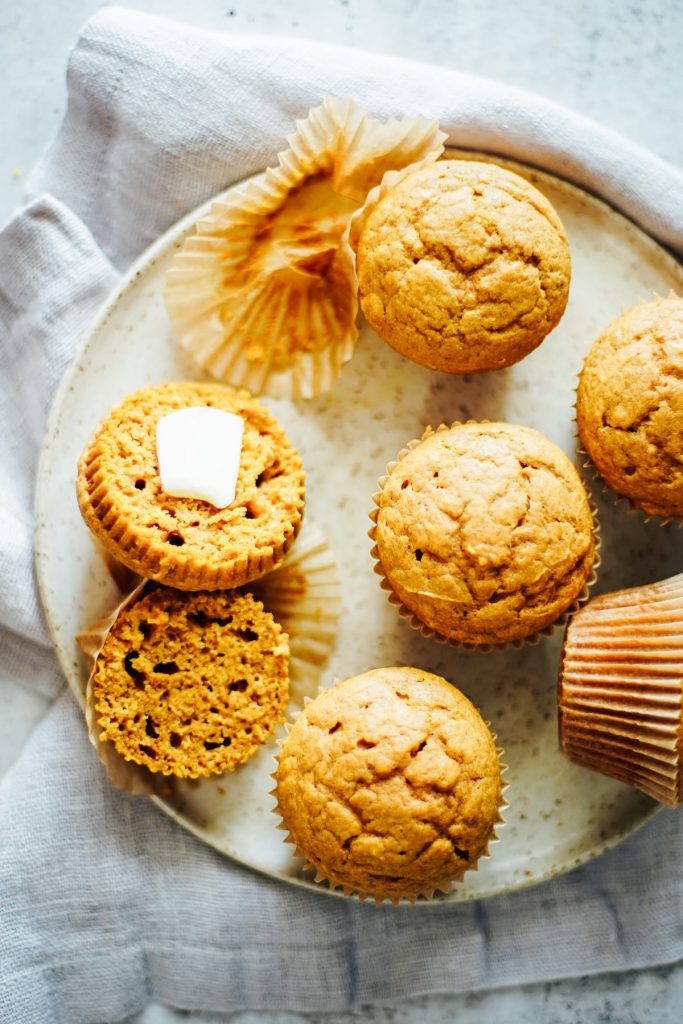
[[630, 406], [485, 532], [186, 542], [463, 267], [389, 783], [191, 684]]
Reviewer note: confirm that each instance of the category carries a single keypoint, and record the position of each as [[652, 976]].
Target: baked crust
[[390, 783], [463, 267], [629, 406], [485, 532]]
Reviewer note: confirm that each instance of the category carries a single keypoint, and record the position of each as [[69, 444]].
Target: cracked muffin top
[[191, 684], [463, 267], [187, 542], [484, 531], [389, 783], [630, 406]]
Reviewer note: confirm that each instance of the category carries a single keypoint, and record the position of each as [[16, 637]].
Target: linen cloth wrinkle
[[52, 278], [105, 902]]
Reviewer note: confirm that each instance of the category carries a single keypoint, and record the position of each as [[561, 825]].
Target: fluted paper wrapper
[[263, 293], [620, 689], [379, 897], [391, 179], [304, 597], [427, 631]]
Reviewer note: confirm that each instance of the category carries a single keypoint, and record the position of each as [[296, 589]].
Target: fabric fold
[[112, 905], [161, 117], [52, 279]]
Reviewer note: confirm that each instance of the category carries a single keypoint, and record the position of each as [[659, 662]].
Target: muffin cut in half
[[191, 684], [188, 543]]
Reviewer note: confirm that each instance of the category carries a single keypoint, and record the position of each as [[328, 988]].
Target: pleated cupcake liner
[[124, 774], [378, 897], [391, 179], [629, 505], [429, 632], [620, 690], [303, 596], [264, 293]]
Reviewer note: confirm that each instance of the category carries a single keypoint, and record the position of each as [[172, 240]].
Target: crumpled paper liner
[[263, 294], [620, 690], [379, 896], [631, 506], [427, 631], [304, 597]]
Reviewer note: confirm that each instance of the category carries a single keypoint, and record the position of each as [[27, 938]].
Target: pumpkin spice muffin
[[191, 684], [463, 267], [484, 532], [187, 542], [390, 784], [630, 406]]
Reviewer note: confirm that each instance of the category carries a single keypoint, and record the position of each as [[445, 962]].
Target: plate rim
[[143, 263]]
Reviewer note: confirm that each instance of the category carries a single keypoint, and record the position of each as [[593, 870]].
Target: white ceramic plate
[[560, 815]]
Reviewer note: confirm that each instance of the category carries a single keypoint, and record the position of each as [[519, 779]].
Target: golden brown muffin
[[185, 542], [484, 531], [630, 406], [463, 267], [390, 783], [191, 684], [620, 693]]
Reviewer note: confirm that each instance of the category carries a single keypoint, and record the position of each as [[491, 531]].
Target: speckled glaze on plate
[[560, 815]]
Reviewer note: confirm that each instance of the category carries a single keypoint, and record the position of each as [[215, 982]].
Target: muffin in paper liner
[[463, 266], [430, 633], [620, 689], [263, 294], [633, 505], [305, 600], [336, 881]]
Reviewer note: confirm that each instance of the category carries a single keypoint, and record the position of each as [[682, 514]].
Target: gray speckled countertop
[[615, 61]]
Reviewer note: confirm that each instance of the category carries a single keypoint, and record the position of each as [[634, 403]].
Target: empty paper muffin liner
[[304, 597], [427, 631], [380, 897], [620, 689], [263, 293]]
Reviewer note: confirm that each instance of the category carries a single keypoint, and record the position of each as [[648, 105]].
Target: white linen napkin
[[104, 903]]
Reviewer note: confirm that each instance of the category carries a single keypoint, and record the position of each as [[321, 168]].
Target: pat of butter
[[198, 451]]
